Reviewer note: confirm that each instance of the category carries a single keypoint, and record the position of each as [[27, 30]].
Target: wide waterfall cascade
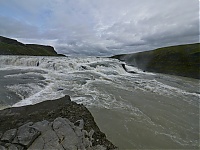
[[148, 110], [54, 70], [58, 63]]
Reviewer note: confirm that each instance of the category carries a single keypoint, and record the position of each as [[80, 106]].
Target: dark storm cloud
[[101, 27]]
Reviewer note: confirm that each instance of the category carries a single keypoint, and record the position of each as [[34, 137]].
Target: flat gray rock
[[66, 134], [48, 138], [9, 135], [26, 134]]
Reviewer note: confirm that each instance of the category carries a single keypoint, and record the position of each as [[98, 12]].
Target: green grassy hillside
[[13, 47], [182, 60]]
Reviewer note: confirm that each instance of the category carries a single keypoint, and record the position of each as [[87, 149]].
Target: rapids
[[135, 110]]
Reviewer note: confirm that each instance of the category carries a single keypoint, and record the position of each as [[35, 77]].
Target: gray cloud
[[12, 27], [101, 27]]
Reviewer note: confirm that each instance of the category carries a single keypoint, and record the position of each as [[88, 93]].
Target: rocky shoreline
[[53, 124]]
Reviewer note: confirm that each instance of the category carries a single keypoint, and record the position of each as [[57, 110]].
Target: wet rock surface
[[58, 124]]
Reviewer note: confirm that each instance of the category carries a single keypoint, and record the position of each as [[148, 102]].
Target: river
[[139, 110]]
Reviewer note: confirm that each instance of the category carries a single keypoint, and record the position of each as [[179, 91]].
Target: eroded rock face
[[56, 124], [60, 134]]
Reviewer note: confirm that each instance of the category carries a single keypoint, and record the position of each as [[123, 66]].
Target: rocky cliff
[[55, 124], [13, 47], [181, 60]]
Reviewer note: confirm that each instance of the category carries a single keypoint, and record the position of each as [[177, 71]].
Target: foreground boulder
[[57, 124]]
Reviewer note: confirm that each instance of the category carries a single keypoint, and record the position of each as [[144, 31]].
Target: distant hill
[[181, 60], [13, 47]]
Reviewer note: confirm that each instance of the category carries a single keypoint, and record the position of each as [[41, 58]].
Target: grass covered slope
[[181, 60], [13, 47]]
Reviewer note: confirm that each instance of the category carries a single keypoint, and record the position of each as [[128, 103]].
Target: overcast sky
[[101, 27]]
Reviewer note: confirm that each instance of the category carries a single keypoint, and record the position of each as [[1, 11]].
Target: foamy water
[[142, 110]]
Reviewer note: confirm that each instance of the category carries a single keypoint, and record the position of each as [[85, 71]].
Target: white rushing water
[[142, 110]]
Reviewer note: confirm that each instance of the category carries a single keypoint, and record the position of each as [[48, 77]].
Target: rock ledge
[[57, 124]]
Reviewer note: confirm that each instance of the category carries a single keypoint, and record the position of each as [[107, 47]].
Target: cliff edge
[[13, 47], [181, 60]]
